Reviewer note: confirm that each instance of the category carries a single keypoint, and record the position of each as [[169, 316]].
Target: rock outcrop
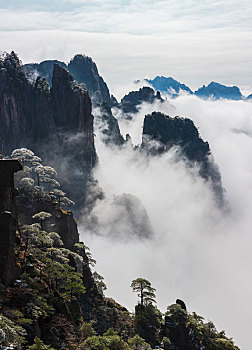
[[92, 305], [107, 124], [8, 221], [43, 69], [130, 103], [181, 132], [55, 123], [83, 70]]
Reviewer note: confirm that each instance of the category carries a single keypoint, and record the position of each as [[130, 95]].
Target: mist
[[197, 252]]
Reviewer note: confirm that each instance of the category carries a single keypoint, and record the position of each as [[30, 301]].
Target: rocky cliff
[[93, 305], [55, 122], [43, 69], [24, 108], [39, 255], [8, 221], [107, 125], [130, 103], [83, 70], [181, 132]]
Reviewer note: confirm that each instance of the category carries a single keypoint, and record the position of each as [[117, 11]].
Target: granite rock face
[[8, 221], [24, 108], [55, 123], [107, 124], [43, 69], [92, 305], [83, 70], [181, 132], [175, 131], [130, 103]]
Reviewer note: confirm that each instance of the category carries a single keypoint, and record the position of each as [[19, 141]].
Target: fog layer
[[197, 253]]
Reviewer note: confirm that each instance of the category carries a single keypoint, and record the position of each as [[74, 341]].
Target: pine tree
[[146, 292]]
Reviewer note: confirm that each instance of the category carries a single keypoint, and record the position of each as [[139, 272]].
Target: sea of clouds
[[197, 253]]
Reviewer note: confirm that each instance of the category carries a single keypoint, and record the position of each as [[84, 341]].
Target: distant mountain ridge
[[168, 85], [213, 90], [216, 91]]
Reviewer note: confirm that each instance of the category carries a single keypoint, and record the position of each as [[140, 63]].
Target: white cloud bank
[[195, 42], [197, 254]]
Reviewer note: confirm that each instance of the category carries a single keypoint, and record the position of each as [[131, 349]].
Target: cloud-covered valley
[[197, 253]]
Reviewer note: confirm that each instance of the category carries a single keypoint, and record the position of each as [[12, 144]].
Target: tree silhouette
[[146, 292]]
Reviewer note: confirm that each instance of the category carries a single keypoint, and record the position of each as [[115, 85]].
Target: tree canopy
[[145, 290]]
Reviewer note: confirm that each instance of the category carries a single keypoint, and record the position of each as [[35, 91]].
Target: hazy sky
[[194, 41]]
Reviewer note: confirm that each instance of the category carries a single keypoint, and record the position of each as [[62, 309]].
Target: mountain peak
[[216, 91], [83, 70], [133, 99], [168, 85]]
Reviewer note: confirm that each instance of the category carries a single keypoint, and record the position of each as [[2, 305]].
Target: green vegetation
[[39, 345], [11, 333], [194, 331], [57, 302], [138, 343], [50, 261], [146, 292], [37, 181], [99, 281]]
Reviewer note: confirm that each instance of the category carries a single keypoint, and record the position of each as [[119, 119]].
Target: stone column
[[8, 220]]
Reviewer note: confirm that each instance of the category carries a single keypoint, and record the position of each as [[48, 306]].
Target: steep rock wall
[[55, 123], [8, 221]]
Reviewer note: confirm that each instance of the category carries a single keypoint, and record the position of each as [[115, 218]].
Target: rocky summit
[[181, 132], [130, 103], [83, 70], [216, 91]]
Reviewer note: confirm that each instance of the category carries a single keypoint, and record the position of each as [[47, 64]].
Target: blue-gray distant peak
[[168, 85], [249, 97], [216, 91]]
